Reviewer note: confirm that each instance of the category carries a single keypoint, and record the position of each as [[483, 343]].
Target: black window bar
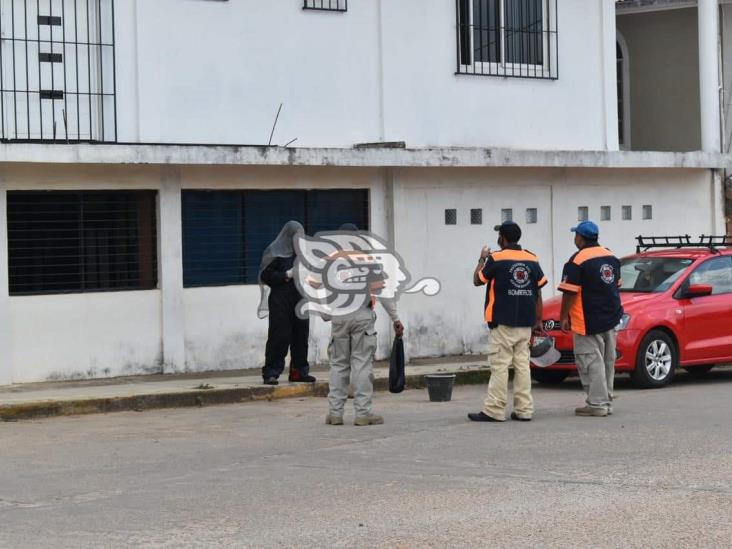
[[58, 71], [508, 38], [81, 241], [326, 5]]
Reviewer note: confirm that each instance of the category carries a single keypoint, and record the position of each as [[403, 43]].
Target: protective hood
[[282, 246]]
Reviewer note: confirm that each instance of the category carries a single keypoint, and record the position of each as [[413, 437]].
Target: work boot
[[589, 411], [330, 419], [298, 377], [368, 420], [482, 416], [516, 417]]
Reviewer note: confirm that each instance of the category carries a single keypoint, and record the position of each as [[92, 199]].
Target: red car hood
[[630, 300]]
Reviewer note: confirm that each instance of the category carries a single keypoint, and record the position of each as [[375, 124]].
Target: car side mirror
[[698, 290]]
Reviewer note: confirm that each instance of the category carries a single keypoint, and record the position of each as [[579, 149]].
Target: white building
[[142, 171]]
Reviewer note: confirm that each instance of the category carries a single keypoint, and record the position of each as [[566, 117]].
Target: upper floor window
[[57, 71], [508, 38], [326, 5]]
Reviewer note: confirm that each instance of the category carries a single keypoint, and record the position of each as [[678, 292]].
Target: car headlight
[[623, 324]]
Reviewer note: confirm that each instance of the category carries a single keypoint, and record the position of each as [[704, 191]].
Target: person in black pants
[[286, 330]]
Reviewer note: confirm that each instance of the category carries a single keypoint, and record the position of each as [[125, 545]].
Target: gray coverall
[[351, 351]]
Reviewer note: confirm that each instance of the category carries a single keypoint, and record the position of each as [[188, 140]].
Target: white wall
[[452, 322], [75, 336], [121, 333], [216, 72], [72, 336], [427, 104]]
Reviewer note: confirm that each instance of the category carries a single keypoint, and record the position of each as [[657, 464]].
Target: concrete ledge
[[206, 397], [429, 157]]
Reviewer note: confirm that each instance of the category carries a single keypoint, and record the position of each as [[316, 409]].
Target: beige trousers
[[509, 347]]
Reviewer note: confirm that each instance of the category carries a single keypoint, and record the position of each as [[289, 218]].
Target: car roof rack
[[646, 243]]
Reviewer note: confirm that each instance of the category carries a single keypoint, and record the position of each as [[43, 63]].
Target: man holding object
[[513, 306]]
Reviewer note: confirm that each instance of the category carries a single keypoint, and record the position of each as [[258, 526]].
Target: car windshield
[[651, 274]]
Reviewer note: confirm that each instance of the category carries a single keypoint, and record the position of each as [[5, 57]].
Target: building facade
[[151, 151]]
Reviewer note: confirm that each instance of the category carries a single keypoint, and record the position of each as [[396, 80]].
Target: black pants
[[286, 332]]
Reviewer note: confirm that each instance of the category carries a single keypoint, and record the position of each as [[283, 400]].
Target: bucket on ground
[[439, 387]]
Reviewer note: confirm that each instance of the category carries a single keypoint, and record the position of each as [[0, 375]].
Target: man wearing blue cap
[[591, 309]]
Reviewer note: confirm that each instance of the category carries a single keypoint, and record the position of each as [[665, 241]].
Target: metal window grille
[[326, 5], [226, 232], [605, 213], [583, 213], [450, 216], [627, 212], [506, 215], [476, 216], [58, 71], [67, 241], [532, 215], [647, 212], [509, 38]]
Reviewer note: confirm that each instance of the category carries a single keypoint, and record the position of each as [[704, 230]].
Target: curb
[[203, 397]]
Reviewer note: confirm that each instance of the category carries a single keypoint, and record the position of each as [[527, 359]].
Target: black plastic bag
[[397, 380]]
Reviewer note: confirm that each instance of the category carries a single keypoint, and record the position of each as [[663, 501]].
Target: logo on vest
[[607, 273], [521, 279]]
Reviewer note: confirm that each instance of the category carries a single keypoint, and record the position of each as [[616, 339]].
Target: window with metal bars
[[89, 241], [326, 5], [226, 232], [509, 38], [57, 71]]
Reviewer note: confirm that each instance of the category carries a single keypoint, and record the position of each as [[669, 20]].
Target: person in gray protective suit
[[351, 351]]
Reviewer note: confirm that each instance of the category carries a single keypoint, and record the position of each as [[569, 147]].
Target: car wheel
[[549, 377], [699, 371], [656, 362]]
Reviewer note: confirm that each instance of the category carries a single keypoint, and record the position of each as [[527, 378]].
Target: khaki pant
[[595, 357], [509, 346], [351, 353]]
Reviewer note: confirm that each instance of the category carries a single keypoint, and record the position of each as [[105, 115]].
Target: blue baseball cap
[[587, 229]]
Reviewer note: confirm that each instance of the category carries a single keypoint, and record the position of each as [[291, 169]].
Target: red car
[[678, 313]]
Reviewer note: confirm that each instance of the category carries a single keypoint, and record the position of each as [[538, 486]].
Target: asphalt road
[[658, 473]]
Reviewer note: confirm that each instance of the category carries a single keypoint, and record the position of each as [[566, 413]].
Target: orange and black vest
[[593, 274], [514, 278]]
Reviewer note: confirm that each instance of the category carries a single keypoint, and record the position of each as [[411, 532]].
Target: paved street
[[658, 473]]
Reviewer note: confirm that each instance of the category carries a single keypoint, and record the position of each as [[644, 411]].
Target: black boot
[[482, 416]]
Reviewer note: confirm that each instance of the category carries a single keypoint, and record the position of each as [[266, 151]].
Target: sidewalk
[[33, 400]]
